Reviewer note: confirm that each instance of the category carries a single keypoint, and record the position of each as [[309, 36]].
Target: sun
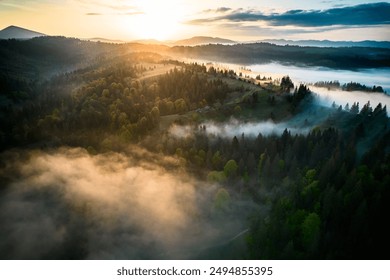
[[158, 20]]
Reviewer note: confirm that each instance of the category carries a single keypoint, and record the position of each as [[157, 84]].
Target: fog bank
[[235, 127], [302, 74], [340, 97], [69, 204]]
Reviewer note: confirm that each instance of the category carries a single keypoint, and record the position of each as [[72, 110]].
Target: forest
[[351, 86], [312, 183], [261, 53]]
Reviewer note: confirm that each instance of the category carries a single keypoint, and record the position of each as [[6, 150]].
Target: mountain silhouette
[[15, 32], [202, 40]]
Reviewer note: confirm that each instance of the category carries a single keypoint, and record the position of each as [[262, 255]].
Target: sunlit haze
[[244, 20]]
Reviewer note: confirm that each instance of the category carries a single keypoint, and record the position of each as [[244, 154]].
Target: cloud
[[243, 29], [18, 6], [113, 4], [218, 10], [327, 97], [222, 9], [118, 14], [365, 14], [68, 204], [112, 8]]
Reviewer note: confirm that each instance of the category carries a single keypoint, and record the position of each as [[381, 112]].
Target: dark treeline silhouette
[[339, 58], [351, 86]]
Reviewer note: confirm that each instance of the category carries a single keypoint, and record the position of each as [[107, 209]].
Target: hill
[[104, 40], [15, 32], [149, 42], [202, 40], [327, 43], [261, 53], [47, 56]]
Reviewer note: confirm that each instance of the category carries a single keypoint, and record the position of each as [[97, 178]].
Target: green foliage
[[216, 177], [216, 160], [310, 175], [286, 84], [261, 163], [107, 98], [311, 232], [353, 86], [311, 189], [300, 97], [282, 164], [180, 106], [230, 168], [237, 110], [222, 199]]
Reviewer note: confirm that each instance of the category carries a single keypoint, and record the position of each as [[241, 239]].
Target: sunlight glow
[[157, 19]]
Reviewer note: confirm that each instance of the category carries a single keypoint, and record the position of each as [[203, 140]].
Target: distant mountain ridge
[[16, 32], [202, 40], [104, 40], [346, 58], [328, 43], [194, 41], [150, 42]]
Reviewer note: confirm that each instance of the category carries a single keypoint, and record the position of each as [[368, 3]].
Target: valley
[[132, 151]]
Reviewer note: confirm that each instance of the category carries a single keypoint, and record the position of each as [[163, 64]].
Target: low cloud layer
[[327, 97], [237, 128], [301, 123], [68, 204]]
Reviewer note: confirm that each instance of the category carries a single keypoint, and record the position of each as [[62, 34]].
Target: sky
[[244, 20]]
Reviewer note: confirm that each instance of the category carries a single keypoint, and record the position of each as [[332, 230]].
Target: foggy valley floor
[[123, 151]]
